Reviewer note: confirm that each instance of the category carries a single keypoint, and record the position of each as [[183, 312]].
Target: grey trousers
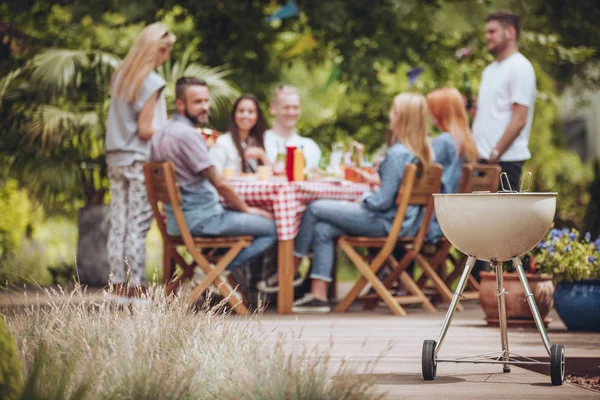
[[130, 219]]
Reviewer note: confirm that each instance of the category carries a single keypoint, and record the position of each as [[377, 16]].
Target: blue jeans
[[235, 223], [325, 221]]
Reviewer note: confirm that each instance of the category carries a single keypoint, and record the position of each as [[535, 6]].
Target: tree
[[55, 112]]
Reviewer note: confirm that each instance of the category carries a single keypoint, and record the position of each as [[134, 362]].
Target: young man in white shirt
[[285, 107], [506, 99]]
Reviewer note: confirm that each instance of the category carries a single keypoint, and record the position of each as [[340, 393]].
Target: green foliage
[[17, 214], [568, 257], [51, 244], [11, 379], [56, 59], [592, 215], [56, 106]]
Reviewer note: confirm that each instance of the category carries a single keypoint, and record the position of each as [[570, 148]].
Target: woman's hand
[[366, 177], [257, 153], [260, 212]]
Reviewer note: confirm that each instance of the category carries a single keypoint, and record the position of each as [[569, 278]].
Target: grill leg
[[455, 299], [502, 313], [531, 301]]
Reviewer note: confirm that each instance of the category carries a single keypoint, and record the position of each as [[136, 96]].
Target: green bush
[[17, 213], [11, 379]]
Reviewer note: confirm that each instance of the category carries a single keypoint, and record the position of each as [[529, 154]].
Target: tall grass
[[161, 350]]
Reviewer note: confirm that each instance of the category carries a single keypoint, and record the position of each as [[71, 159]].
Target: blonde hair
[[140, 61], [448, 108], [410, 127], [283, 90]]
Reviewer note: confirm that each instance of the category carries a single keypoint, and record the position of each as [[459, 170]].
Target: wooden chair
[[415, 190], [474, 178], [162, 188]]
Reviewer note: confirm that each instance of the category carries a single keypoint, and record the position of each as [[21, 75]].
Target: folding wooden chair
[[474, 178], [162, 188], [415, 190]]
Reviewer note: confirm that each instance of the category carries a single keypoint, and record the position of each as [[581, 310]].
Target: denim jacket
[[383, 202], [444, 150]]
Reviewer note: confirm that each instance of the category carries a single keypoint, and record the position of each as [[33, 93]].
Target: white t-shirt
[[311, 150], [503, 84], [223, 154]]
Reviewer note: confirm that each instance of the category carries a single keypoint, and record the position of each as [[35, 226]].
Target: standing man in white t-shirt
[[506, 99], [285, 107]]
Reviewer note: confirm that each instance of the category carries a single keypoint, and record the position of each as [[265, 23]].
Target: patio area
[[391, 347], [394, 345]]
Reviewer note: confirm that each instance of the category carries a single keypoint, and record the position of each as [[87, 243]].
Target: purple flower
[[542, 245], [591, 259], [554, 233], [588, 236], [551, 249], [567, 248], [597, 243], [572, 236]]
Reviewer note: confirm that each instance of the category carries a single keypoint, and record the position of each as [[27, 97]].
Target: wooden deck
[[394, 345], [396, 342]]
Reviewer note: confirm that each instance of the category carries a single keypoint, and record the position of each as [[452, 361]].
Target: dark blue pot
[[578, 304]]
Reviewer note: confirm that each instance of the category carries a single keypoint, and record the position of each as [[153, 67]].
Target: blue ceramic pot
[[578, 304]]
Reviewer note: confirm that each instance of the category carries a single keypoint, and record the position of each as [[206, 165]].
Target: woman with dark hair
[[242, 148]]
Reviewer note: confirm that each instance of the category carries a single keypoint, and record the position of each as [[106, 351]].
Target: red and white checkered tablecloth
[[288, 200]]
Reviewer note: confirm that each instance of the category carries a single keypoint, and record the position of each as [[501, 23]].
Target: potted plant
[[517, 310], [574, 263]]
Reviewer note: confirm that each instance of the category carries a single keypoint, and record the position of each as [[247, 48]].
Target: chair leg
[[437, 263], [438, 283], [174, 284], [352, 295], [397, 269], [368, 273], [459, 266], [407, 281], [168, 263], [188, 271], [213, 278], [412, 287]]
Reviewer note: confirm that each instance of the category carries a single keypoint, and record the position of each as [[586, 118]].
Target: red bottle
[[289, 167]]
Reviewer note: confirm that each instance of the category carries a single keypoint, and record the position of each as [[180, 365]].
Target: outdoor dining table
[[288, 201]]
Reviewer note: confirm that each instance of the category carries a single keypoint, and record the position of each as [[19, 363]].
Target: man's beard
[[195, 118], [499, 48]]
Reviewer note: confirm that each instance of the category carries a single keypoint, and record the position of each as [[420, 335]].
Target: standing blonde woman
[[454, 146], [137, 110], [326, 220]]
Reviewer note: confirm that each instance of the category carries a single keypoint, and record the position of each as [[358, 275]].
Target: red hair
[[448, 108]]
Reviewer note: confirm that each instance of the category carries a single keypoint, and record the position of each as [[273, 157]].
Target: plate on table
[[244, 177], [328, 179]]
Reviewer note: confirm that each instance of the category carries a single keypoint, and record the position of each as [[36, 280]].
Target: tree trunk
[[93, 224]]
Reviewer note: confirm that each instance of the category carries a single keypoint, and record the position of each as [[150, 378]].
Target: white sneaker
[[225, 282], [198, 276]]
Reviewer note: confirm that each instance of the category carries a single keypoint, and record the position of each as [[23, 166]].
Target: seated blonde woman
[[326, 220], [242, 149]]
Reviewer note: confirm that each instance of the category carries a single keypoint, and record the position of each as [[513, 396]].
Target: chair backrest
[[465, 178], [162, 188], [416, 189], [480, 178]]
